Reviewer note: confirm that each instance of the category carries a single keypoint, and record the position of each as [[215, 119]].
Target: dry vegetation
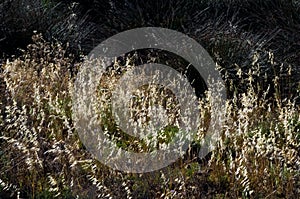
[[256, 46], [41, 156]]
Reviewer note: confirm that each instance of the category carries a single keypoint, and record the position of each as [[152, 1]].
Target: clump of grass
[[259, 153], [38, 144]]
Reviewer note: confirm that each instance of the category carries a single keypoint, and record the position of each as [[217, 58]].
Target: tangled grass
[[41, 156], [256, 47]]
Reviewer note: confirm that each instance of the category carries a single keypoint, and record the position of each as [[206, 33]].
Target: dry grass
[[41, 156]]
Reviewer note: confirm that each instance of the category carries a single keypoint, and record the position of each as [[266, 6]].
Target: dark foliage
[[231, 30], [19, 19]]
